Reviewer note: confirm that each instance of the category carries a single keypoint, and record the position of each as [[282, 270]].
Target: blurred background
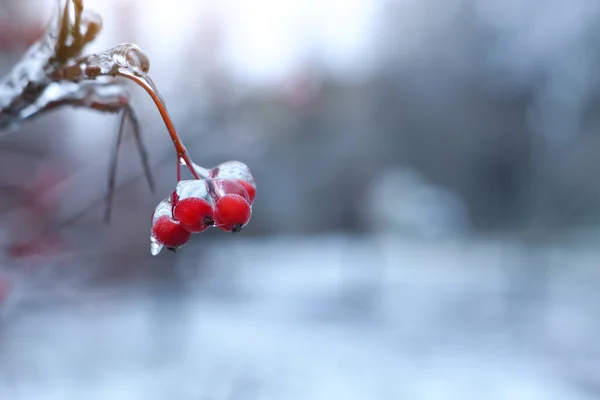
[[426, 224]]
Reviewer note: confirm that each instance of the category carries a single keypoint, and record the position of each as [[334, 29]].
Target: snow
[[301, 318]]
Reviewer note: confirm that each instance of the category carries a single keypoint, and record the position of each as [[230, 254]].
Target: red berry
[[238, 171], [194, 213], [169, 232], [232, 212], [221, 187], [250, 189]]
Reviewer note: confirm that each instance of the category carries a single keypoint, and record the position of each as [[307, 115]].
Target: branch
[[53, 73], [30, 89]]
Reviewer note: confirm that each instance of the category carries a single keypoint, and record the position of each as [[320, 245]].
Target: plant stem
[[162, 109]]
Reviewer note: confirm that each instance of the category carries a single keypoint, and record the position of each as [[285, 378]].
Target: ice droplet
[[155, 246]]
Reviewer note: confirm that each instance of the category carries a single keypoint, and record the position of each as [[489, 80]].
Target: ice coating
[[155, 246], [220, 187], [91, 25], [194, 188], [233, 170], [125, 57], [191, 216], [163, 208], [202, 172]]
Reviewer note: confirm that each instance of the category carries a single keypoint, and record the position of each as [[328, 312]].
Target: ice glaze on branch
[[49, 75], [29, 89]]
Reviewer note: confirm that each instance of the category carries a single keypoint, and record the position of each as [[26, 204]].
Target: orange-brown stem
[[179, 147]]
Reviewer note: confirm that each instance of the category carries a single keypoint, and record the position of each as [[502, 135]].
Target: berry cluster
[[221, 197]]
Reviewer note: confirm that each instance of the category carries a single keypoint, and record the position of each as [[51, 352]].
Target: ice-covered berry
[[239, 171], [166, 231], [221, 187], [169, 232], [250, 189], [193, 205], [232, 212], [194, 214]]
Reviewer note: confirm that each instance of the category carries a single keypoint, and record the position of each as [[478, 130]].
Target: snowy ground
[[324, 318]]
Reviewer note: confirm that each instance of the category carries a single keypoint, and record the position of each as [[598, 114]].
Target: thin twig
[[128, 113], [112, 174], [143, 152], [160, 104]]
